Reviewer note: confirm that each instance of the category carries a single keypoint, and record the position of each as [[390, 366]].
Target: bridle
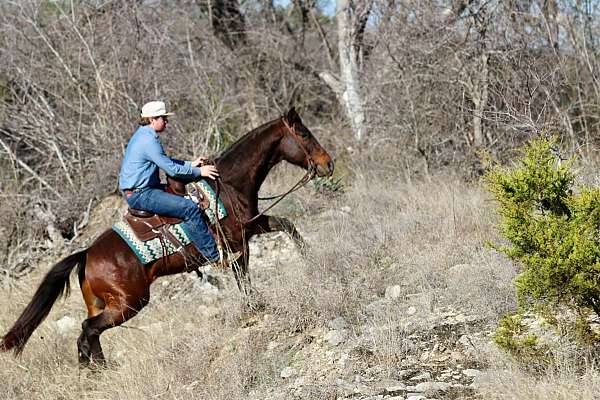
[[294, 134], [310, 173]]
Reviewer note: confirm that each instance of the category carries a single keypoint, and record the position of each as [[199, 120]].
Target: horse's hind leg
[[115, 287], [115, 313], [88, 349], [95, 306]]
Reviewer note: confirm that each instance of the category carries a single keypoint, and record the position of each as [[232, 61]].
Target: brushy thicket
[[439, 81], [553, 230]]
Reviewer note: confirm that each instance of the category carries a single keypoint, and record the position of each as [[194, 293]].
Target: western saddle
[[147, 225]]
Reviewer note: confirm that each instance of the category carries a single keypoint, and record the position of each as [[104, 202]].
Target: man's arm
[[174, 168]]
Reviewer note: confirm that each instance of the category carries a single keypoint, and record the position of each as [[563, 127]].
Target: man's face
[[159, 123]]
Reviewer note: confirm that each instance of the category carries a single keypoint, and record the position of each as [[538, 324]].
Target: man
[[140, 183]]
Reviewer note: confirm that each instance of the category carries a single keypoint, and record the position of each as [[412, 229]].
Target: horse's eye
[[304, 133]]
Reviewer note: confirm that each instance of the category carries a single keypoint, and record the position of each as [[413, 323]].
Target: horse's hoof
[[255, 306], [84, 360], [213, 280], [255, 302], [303, 249], [96, 364]]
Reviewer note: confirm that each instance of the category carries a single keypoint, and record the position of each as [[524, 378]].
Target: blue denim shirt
[[144, 155]]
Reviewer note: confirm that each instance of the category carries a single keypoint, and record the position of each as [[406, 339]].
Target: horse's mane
[[239, 144]]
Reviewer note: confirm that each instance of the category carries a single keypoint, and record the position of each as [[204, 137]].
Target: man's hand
[[209, 171], [200, 161]]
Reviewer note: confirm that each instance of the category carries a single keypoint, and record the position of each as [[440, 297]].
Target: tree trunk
[[477, 82], [480, 99], [347, 88]]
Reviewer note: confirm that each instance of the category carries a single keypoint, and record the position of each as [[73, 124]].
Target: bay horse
[[116, 286]]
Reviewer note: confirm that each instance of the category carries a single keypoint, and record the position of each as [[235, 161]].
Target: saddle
[[147, 226]]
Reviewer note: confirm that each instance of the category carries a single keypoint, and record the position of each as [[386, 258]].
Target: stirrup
[[232, 257], [226, 260], [140, 213]]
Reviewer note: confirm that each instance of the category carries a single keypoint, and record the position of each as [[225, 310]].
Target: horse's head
[[300, 147]]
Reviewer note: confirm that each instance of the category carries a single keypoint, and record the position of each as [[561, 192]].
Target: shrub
[[513, 336], [329, 186], [553, 232]]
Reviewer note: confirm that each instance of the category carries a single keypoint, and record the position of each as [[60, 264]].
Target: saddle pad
[[213, 204], [151, 250]]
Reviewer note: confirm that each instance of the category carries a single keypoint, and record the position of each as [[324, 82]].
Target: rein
[[310, 173], [303, 181]]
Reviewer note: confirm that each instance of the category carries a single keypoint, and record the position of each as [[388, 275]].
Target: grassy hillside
[[398, 296]]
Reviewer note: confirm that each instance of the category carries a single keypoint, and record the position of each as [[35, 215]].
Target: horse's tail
[[55, 284]]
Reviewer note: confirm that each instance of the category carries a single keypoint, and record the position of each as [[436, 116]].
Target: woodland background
[[428, 85]]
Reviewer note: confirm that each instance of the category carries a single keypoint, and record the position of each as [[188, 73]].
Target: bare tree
[[351, 19], [432, 80], [476, 76]]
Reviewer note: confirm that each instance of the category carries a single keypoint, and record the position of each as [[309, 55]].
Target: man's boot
[[227, 259]]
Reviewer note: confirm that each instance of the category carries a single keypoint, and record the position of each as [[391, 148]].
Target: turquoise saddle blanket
[[152, 250]]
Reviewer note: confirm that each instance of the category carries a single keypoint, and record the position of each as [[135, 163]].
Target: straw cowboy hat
[[154, 109]]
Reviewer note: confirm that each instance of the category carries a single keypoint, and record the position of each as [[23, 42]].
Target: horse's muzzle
[[325, 169]]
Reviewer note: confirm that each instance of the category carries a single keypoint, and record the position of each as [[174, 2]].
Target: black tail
[[55, 283]]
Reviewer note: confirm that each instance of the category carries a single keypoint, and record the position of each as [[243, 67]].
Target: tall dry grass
[[193, 342]]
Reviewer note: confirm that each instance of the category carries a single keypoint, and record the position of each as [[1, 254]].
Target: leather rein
[[310, 173]]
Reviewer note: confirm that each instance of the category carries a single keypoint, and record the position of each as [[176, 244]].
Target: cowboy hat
[[154, 109]]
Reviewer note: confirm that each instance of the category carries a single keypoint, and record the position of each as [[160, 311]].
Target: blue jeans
[[160, 202]]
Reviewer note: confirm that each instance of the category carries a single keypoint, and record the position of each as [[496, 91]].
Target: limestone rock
[[472, 372], [338, 323], [421, 377], [393, 292], [432, 388], [336, 337], [66, 325], [287, 372]]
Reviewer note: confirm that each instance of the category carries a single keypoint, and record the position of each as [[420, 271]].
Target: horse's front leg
[[240, 271], [268, 223], [242, 277]]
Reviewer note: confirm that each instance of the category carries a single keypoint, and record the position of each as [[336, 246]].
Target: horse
[[115, 285]]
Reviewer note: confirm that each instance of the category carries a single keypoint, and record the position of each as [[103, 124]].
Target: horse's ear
[[292, 115]]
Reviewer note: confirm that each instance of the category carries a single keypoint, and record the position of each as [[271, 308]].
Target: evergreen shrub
[[552, 229]]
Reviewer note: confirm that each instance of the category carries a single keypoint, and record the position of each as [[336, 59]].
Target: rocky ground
[[401, 343], [397, 298], [439, 355], [439, 358]]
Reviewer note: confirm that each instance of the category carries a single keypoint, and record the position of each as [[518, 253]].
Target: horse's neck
[[246, 164]]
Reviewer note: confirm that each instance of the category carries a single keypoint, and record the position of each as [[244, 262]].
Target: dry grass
[[384, 233], [507, 382], [427, 238]]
